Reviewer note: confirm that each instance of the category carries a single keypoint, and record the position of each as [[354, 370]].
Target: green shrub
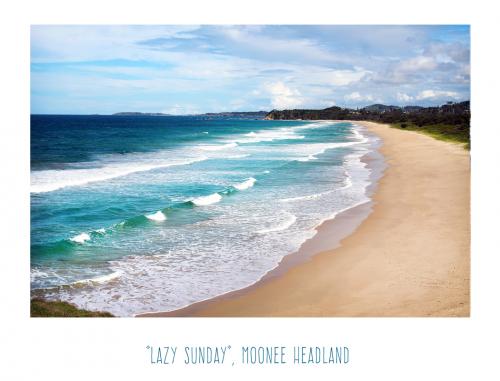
[[45, 308]]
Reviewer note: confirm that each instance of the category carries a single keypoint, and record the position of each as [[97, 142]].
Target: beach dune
[[410, 257]]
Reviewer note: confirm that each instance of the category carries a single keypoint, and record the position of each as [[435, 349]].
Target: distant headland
[[449, 113], [209, 115], [133, 113]]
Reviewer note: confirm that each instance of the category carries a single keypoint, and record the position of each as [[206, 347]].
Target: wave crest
[[158, 216], [80, 238], [207, 200], [51, 180], [248, 183]]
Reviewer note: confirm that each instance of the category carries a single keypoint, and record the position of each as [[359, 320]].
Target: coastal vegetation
[[44, 308], [441, 131], [450, 121]]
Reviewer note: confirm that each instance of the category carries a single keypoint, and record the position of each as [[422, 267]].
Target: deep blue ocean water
[[137, 214]]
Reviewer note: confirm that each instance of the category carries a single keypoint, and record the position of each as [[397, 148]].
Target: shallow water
[[139, 214]]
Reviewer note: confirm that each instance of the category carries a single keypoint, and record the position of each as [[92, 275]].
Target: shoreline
[[409, 257], [347, 221], [329, 234]]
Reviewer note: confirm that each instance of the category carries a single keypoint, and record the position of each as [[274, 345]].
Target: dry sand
[[410, 257]]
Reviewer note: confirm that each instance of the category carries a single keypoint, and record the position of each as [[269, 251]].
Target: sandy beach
[[409, 257]]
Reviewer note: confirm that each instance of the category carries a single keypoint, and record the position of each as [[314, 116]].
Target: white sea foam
[[37, 273], [281, 226], [307, 197], [80, 238], [335, 214], [314, 149], [158, 216], [100, 279], [51, 180], [101, 231], [218, 147], [358, 135], [236, 156], [245, 184], [207, 200], [320, 124], [269, 135], [307, 158], [347, 184]]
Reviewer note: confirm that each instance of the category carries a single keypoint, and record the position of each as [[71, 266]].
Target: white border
[[396, 348]]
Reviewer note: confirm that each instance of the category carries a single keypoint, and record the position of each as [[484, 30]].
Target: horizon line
[[244, 111]]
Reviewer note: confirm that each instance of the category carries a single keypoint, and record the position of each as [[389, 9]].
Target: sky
[[216, 68]]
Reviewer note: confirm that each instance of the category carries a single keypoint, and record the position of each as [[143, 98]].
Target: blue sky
[[196, 69]]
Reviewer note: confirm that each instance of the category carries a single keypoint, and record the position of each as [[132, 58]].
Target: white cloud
[[420, 63], [402, 97], [449, 52], [63, 43], [250, 40], [411, 70], [323, 76], [437, 94], [282, 96], [357, 97], [280, 67], [343, 77]]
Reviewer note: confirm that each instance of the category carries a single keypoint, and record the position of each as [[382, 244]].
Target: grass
[[446, 132], [45, 308]]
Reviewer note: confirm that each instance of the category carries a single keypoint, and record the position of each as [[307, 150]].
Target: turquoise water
[[138, 214]]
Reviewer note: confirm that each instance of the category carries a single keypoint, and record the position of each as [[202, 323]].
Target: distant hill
[[237, 115], [128, 113], [412, 108], [381, 108], [450, 113]]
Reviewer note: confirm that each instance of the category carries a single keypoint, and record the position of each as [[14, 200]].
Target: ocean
[[133, 214]]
